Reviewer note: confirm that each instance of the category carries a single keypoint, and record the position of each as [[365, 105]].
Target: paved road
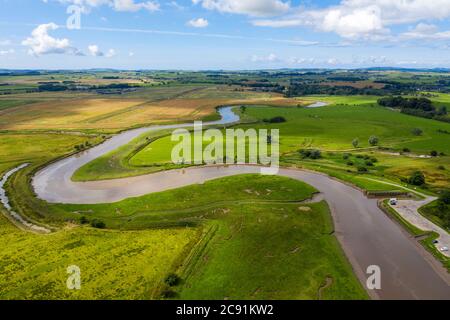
[[367, 235]]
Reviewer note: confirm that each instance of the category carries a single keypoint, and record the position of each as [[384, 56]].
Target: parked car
[[444, 249], [393, 202]]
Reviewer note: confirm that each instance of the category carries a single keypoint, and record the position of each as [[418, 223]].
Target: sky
[[223, 34]]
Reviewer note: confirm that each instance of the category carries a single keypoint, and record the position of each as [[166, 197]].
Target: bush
[[84, 220], [441, 168], [355, 143], [98, 224], [350, 163], [373, 140], [275, 120], [417, 131], [369, 163], [311, 153], [406, 150], [434, 153], [362, 169], [374, 160], [168, 293], [345, 156], [172, 280], [417, 179], [445, 197]]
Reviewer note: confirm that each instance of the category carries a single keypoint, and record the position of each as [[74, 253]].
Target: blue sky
[[224, 34]]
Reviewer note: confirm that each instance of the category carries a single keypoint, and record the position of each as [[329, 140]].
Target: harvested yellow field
[[117, 114], [71, 114]]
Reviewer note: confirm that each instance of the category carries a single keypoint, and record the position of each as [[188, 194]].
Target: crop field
[[241, 237], [57, 111], [114, 264]]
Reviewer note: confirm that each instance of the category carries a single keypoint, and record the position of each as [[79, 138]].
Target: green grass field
[[270, 252]]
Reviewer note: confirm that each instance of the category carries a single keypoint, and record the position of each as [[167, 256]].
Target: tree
[[417, 131], [373, 140], [445, 197], [172, 280], [362, 169], [98, 224], [442, 111], [311, 154], [434, 153], [243, 109], [355, 143], [417, 179]]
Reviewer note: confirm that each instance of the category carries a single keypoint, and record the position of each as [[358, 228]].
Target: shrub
[[172, 280], [441, 168], [373, 140], [374, 160], [369, 163], [417, 179], [275, 120], [311, 153], [168, 293], [355, 143], [350, 163], [417, 131], [406, 150], [345, 156], [445, 197], [362, 169], [84, 220], [98, 224], [434, 153]]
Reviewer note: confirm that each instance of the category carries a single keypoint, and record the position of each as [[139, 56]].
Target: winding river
[[367, 235]]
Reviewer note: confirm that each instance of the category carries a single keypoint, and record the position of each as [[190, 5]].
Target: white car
[[444, 249], [393, 202]]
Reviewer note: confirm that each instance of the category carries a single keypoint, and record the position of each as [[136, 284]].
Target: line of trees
[[421, 107]]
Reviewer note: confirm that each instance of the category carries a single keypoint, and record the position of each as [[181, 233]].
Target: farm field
[[114, 264], [211, 236], [150, 105]]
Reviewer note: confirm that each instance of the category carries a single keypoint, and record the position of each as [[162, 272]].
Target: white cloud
[[131, 54], [256, 8], [131, 6], [7, 52], [95, 51], [424, 31], [198, 23], [5, 42], [332, 61], [117, 5], [363, 19], [111, 53], [269, 58], [40, 42]]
